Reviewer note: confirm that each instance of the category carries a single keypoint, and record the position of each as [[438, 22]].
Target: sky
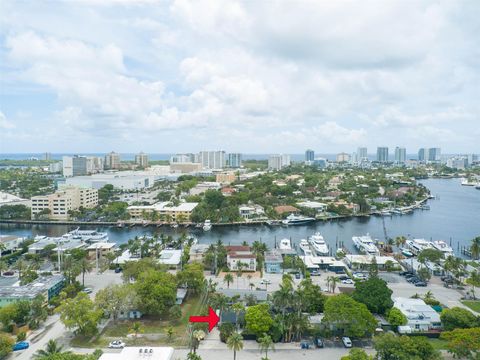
[[241, 76]]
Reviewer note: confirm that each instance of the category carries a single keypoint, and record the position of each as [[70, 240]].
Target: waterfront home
[[420, 316], [197, 252], [48, 286], [100, 249], [285, 209], [273, 262], [164, 210], [204, 186], [251, 211], [314, 205], [171, 258], [241, 255]]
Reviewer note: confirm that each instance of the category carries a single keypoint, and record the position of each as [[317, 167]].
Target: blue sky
[[248, 76]]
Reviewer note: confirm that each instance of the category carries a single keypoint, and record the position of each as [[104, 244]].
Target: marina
[[442, 222]]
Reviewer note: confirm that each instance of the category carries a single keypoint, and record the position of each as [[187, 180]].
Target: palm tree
[[51, 349], [235, 343], [85, 266], [428, 296], [332, 282], [20, 266], [197, 335], [266, 343], [474, 280], [400, 241], [136, 329], [228, 278], [475, 247], [237, 308], [287, 280]]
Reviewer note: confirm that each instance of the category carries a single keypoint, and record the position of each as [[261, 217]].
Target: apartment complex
[[278, 162], [81, 165], [112, 161], [343, 157], [141, 159], [235, 160], [68, 198], [382, 154], [183, 158], [212, 159], [309, 155], [165, 211], [362, 154], [400, 155]]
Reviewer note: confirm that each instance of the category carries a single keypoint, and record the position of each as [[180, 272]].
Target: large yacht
[[417, 245], [365, 245], [304, 246], [87, 235], [297, 220], [319, 244], [285, 244], [443, 247]]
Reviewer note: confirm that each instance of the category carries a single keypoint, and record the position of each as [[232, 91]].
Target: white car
[[87, 290], [347, 342], [265, 282], [116, 344], [360, 276], [347, 281]]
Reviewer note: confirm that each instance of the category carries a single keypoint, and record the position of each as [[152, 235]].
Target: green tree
[[475, 247], [235, 343], [50, 351], [193, 356], [391, 347], [463, 343], [258, 319], [266, 343], [458, 318], [80, 313], [313, 300], [192, 277], [396, 318], [374, 293], [228, 278], [115, 299], [85, 267], [6, 344], [429, 254], [332, 282], [474, 281], [156, 291], [357, 354], [349, 317], [424, 274], [175, 312], [135, 329]]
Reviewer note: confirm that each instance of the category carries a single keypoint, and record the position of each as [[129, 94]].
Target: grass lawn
[[155, 330], [474, 305], [438, 344]]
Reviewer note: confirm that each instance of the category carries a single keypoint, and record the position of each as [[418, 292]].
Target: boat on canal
[[319, 245], [365, 245]]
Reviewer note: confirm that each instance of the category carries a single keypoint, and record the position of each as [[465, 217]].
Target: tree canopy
[[391, 347], [463, 343], [81, 314], [349, 316], [375, 294], [258, 319], [156, 291], [458, 318]]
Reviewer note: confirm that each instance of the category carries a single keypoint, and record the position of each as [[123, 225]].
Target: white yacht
[[365, 244], [417, 245], [207, 225], [304, 246], [319, 244], [87, 235], [297, 220], [285, 244], [443, 247]]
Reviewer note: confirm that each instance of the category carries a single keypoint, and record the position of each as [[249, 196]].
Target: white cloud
[[4, 123]]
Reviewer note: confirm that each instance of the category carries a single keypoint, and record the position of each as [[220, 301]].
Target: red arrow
[[212, 319]]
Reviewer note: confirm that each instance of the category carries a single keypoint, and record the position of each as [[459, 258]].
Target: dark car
[[319, 343], [305, 344], [315, 273], [344, 277], [405, 273], [413, 279], [421, 283], [297, 276], [118, 269]]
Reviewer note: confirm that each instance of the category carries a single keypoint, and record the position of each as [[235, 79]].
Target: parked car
[[405, 273], [413, 279], [305, 344], [118, 269], [87, 290], [116, 344], [315, 273], [360, 276], [297, 276], [265, 282], [22, 345], [347, 281], [344, 277], [421, 283], [318, 343], [347, 342]]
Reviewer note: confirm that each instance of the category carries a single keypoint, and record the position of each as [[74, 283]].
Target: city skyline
[[116, 74]]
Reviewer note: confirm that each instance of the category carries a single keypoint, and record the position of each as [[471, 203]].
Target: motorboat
[[443, 247], [207, 225], [466, 182], [274, 222], [293, 219], [417, 245], [407, 253], [319, 245], [365, 245], [285, 244], [304, 246], [90, 236]]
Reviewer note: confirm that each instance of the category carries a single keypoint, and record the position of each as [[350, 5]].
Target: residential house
[[251, 211], [420, 316], [241, 255], [273, 262], [10, 243]]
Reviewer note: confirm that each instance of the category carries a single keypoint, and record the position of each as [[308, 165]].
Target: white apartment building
[[240, 255], [212, 159], [164, 210], [343, 157], [278, 161], [81, 165], [63, 200], [183, 158], [124, 180]]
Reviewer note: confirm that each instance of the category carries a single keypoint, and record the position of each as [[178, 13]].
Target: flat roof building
[[48, 286], [165, 210]]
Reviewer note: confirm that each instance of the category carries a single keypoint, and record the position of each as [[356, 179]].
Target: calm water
[[454, 217]]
